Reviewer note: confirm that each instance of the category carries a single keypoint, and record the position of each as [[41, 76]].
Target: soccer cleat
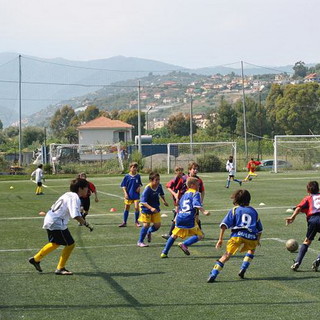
[[184, 248], [165, 236], [63, 272], [123, 224], [149, 237], [138, 225], [211, 278], [241, 273], [163, 255], [295, 266], [142, 245], [315, 265], [35, 264]]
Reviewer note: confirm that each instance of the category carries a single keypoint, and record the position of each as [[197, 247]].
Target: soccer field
[[115, 279]]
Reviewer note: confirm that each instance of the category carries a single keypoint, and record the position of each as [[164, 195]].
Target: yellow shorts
[[148, 218], [184, 233], [126, 201], [236, 244]]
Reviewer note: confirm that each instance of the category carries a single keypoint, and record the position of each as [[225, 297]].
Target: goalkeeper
[[56, 221]]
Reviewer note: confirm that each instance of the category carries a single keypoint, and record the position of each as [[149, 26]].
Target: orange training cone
[[113, 210]]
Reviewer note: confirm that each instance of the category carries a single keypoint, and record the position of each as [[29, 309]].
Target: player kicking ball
[[246, 229], [56, 221]]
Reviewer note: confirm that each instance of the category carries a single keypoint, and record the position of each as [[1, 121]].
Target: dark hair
[[231, 159], [78, 183], [40, 166], [153, 175], [241, 197], [133, 164], [313, 187]]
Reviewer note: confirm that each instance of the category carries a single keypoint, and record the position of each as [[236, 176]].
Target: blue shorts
[[313, 226], [61, 237]]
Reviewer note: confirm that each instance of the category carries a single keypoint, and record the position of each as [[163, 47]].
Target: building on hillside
[[103, 130], [312, 77]]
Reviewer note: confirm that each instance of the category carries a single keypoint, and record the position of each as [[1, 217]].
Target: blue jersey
[[151, 197], [243, 222], [132, 183], [188, 205]]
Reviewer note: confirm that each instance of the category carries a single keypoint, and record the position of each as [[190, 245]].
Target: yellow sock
[[37, 190], [65, 256], [40, 189], [45, 250]]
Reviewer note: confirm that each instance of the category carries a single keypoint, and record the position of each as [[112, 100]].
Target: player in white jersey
[[38, 173], [56, 224], [231, 171]]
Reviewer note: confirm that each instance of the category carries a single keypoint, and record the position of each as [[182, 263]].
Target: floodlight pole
[[191, 128], [244, 115], [20, 125], [139, 120]]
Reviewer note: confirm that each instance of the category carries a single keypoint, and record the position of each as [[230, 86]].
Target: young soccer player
[[230, 169], [251, 166], [310, 205], [130, 185], [174, 186], [56, 223], [193, 169], [38, 173], [150, 208], [85, 201], [246, 229], [185, 224]]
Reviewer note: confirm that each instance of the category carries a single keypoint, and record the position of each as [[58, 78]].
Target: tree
[[131, 117], [61, 120], [11, 131], [179, 124], [226, 119], [300, 70], [71, 134], [91, 112], [1, 125], [31, 135]]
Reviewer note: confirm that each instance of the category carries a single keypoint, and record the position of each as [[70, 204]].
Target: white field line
[[110, 194], [129, 245], [225, 210]]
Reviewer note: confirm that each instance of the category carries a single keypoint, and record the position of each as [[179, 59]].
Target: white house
[[103, 130]]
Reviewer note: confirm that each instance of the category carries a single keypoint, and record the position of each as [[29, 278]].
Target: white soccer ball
[[292, 245]]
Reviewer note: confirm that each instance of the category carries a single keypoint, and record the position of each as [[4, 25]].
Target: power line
[[268, 68]]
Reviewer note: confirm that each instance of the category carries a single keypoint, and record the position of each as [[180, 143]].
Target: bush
[[210, 163]]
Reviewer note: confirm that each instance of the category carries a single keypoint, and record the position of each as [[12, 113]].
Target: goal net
[[300, 152], [211, 156], [72, 153]]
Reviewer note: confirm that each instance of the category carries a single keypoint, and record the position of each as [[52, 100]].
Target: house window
[[121, 136]]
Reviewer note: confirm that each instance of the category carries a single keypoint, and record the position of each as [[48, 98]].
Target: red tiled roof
[[104, 123]]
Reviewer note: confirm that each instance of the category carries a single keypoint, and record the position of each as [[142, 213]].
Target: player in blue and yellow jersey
[[185, 222], [130, 185], [246, 229], [150, 208]]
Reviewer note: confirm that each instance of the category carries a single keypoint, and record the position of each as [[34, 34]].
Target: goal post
[[297, 151], [72, 153], [183, 153]]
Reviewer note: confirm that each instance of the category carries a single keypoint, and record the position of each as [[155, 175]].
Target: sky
[[188, 33]]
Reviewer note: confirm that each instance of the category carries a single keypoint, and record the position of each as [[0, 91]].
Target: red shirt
[[175, 184], [252, 165], [91, 189], [310, 205]]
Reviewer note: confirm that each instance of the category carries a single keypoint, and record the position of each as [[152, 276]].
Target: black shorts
[[39, 184], [313, 226], [85, 203], [62, 237]]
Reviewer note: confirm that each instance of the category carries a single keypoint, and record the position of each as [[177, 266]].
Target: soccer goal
[[71, 153], [300, 152], [211, 156]]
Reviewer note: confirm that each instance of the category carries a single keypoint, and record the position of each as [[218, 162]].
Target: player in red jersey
[[310, 205]]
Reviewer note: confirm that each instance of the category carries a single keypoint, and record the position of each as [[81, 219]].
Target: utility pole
[[139, 120], [20, 126], [244, 115]]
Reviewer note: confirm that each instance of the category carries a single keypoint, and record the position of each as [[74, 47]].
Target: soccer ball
[[292, 245]]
